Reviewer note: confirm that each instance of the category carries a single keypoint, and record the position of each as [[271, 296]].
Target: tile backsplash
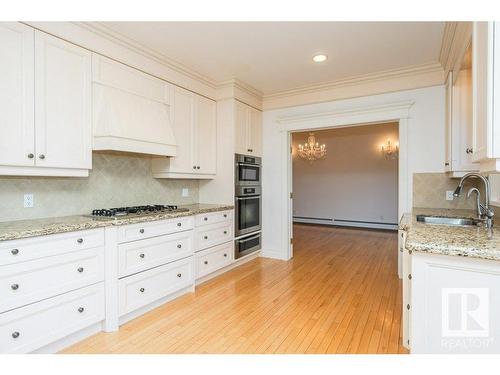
[[115, 180], [429, 191]]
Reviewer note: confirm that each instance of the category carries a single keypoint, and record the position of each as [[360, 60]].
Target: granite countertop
[[13, 230], [473, 242]]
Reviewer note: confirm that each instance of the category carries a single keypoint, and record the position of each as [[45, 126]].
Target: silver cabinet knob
[[80, 240], [14, 286], [142, 290], [206, 262], [80, 269], [225, 232], [225, 255], [41, 156], [205, 218], [198, 167], [179, 224], [30, 156], [225, 215], [205, 237], [81, 309], [15, 335], [14, 251], [194, 166], [141, 255], [179, 275], [179, 246], [141, 230], [409, 276]]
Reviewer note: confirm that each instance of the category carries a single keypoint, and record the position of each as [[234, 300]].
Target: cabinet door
[[16, 95], [63, 129], [241, 131], [183, 120], [482, 45], [255, 131], [206, 135]]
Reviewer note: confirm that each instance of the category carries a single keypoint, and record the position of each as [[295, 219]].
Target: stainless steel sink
[[444, 220]]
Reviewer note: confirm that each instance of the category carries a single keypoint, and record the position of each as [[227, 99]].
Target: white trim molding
[[239, 90], [412, 77], [457, 37]]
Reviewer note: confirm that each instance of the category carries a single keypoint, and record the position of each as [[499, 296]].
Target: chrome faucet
[[484, 211]]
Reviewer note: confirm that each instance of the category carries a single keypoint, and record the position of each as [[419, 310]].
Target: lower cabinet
[[213, 259], [146, 287], [34, 326], [407, 306]]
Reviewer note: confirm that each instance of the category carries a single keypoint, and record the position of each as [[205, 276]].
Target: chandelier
[[311, 150], [390, 150]]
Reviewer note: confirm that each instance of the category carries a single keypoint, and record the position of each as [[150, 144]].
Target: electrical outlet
[[185, 192], [449, 195], [28, 200]]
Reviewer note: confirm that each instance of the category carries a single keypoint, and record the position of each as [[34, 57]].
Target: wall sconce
[[390, 150]]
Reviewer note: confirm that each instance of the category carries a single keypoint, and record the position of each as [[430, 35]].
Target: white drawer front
[[39, 247], [141, 255], [34, 326], [28, 282], [213, 235], [152, 229], [213, 259], [143, 288], [214, 218]]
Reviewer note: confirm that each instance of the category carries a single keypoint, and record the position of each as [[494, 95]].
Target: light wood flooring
[[339, 294]]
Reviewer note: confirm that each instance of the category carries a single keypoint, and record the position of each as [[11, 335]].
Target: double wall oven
[[248, 204]]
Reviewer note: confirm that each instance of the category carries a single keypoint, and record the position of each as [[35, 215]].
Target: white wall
[[355, 181], [425, 150]]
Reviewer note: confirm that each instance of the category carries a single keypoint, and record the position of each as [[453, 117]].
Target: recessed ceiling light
[[319, 58]]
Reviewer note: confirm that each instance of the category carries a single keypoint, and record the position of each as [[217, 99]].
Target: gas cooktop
[[134, 211]]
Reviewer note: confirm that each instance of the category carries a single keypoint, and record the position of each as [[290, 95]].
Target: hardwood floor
[[339, 294]]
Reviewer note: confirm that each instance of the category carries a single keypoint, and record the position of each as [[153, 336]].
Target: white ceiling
[[276, 56]]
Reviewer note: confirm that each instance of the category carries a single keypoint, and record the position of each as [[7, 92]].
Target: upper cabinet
[[131, 110], [486, 91], [459, 131], [195, 129], [248, 122], [45, 92]]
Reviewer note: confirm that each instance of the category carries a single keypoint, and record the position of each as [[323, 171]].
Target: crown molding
[[411, 77], [239, 90], [457, 37]]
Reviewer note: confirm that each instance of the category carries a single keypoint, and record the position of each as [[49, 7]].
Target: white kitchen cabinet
[[407, 290], [131, 110], [46, 96], [248, 132], [195, 129], [486, 90]]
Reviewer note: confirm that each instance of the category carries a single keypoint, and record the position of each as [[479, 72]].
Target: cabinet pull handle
[[179, 224], [179, 275], [30, 156], [142, 290], [81, 309], [446, 164], [408, 307], [198, 167], [409, 276], [194, 166], [15, 335], [225, 255], [80, 240], [206, 262], [41, 156], [225, 215], [141, 230], [14, 286], [141, 255], [205, 237], [205, 218], [225, 232], [14, 251], [80, 269], [179, 246]]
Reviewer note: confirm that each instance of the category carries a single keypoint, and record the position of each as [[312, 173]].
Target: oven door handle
[[249, 165], [249, 238], [246, 198]]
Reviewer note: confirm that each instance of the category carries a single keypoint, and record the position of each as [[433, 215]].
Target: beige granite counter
[[12, 230], [473, 242]]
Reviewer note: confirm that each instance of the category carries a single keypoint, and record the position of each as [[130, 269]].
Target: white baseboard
[[67, 341], [347, 224]]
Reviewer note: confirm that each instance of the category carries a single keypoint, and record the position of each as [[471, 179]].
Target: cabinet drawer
[[153, 229], [214, 217], [212, 235], [141, 255], [32, 327], [143, 288], [16, 251], [210, 260], [28, 282]]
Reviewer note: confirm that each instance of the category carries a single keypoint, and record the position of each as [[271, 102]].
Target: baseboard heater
[[312, 218], [344, 221]]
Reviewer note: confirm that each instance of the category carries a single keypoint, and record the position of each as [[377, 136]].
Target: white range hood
[[131, 110]]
